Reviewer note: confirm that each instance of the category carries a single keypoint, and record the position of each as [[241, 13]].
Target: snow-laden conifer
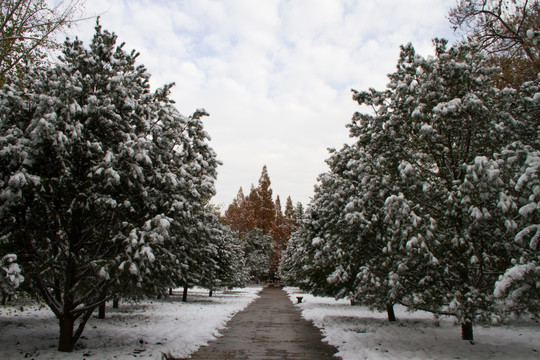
[[519, 286], [103, 182], [446, 121], [421, 209], [10, 276]]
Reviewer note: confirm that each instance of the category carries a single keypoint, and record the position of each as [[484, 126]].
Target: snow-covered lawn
[[359, 333], [143, 331]]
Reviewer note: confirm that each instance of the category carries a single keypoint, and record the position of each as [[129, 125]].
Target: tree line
[[262, 226], [105, 186], [435, 203]]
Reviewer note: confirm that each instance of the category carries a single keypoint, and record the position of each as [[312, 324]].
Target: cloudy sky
[[275, 75]]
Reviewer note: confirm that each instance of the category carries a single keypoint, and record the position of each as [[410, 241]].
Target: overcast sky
[[275, 75]]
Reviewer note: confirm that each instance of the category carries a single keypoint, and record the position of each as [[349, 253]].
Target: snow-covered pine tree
[[289, 213], [519, 285], [10, 276], [339, 249], [103, 183], [447, 122], [258, 251], [321, 255], [227, 265], [377, 283], [298, 211], [293, 259], [233, 261]]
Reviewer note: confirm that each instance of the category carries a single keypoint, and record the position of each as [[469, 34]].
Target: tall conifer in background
[[258, 214], [265, 208]]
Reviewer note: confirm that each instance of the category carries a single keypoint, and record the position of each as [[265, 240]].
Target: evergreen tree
[[103, 183], [10, 276], [226, 266], [280, 232], [299, 211], [258, 251], [404, 213], [265, 207], [239, 215], [289, 212], [519, 285], [447, 122], [259, 211], [293, 266]]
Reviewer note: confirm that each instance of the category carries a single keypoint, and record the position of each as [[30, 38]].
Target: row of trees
[[262, 226], [104, 187], [435, 204]]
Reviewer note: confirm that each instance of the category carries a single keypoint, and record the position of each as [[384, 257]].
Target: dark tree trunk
[[210, 293], [170, 291], [101, 311], [57, 291], [4, 299], [467, 331], [184, 294], [390, 312], [115, 302], [66, 341]]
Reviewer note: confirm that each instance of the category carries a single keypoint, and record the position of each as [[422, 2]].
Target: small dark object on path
[[299, 298], [271, 327]]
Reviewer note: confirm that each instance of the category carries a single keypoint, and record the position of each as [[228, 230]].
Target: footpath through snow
[[148, 329], [270, 328]]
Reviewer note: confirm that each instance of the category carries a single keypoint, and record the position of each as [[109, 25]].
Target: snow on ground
[[143, 331], [359, 333]]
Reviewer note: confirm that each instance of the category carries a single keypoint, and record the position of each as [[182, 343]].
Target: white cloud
[[274, 75]]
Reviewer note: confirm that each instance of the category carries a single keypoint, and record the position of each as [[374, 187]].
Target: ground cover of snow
[[359, 333], [144, 330]]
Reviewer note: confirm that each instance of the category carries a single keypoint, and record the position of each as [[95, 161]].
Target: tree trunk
[[4, 299], [57, 291], [170, 291], [101, 311], [184, 295], [390, 312], [210, 293], [66, 342], [467, 331], [115, 302]]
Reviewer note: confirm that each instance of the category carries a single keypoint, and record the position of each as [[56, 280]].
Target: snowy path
[[146, 330], [269, 328]]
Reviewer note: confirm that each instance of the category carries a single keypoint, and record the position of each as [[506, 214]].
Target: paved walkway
[[269, 328]]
